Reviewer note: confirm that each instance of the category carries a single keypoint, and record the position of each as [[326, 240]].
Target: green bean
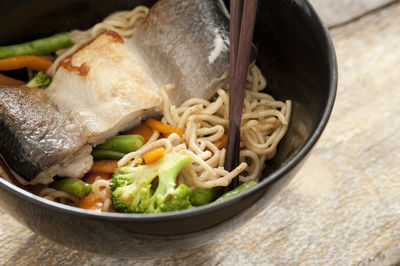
[[37, 47], [72, 185], [123, 143], [245, 186], [107, 155], [201, 196]]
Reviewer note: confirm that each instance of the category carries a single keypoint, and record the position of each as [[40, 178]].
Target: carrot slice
[[153, 155], [163, 128], [92, 202], [30, 61], [221, 142], [142, 130], [104, 166], [7, 81]]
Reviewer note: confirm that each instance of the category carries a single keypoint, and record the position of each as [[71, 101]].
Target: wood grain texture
[[343, 207], [336, 12]]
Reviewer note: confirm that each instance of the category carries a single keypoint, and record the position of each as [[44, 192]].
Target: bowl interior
[[289, 54], [298, 60], [294, 53]]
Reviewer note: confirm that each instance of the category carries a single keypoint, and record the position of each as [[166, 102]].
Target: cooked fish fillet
[[185, 42], [37, 140], [107, 85]]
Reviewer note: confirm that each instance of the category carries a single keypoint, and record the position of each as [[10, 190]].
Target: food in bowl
[[136, 114]]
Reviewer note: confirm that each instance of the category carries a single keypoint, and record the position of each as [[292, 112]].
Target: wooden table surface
[[343, 207]]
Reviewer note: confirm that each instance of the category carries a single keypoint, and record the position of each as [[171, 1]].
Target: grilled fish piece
[[186, 42], [107, 85], [38, 141]]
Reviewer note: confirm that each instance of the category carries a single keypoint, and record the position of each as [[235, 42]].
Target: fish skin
[[186, 42], [34, 134]]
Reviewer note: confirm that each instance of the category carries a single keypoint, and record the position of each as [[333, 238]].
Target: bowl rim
[[273, 177]]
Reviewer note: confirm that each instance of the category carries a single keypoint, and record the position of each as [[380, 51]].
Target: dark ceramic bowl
[[298, 59]]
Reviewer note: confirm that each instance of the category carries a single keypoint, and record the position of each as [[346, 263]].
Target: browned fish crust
[[34, 134]]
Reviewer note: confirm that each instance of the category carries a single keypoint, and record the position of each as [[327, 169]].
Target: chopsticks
[[243, 15]]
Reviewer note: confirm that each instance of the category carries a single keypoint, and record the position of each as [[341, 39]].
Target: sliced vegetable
[[142, 130], [91, 177], [107, 155], [92, 202], [7, 81], [72, 185], [33, 62], [153, 155], [37, 47], [104, 166], [243, 187], [222, 142], [204, 196], [40, 80], [123, 143], [163, 128]]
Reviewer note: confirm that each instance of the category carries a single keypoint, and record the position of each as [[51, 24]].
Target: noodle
[[59, 196], [204, 122], [264, 123], [101, 188]]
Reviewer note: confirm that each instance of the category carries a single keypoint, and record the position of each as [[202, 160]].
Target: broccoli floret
[[133, 187], [40, 80]]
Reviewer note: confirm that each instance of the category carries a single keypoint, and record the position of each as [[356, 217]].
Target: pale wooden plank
[[335, 12]]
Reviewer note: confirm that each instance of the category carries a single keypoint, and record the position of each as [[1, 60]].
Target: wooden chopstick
[[243, 15], [236, 8]]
